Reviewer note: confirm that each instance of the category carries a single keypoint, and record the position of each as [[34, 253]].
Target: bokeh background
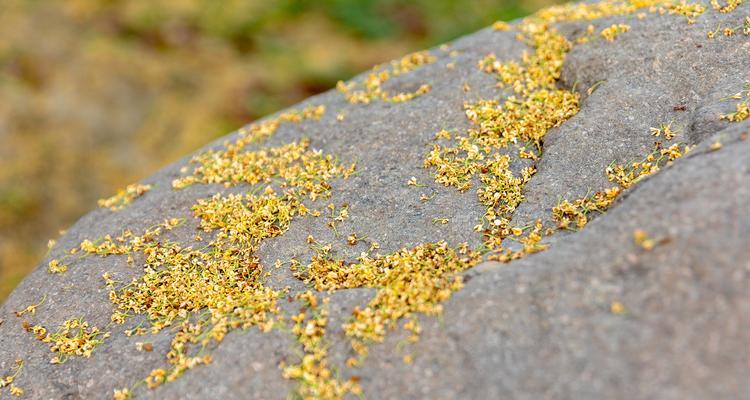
[[96, 94]]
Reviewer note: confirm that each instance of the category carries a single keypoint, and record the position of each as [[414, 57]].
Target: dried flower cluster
[[627, 175], [501, 26], [729, 7], [233, 164], [223, 278], [122, 394], [575, 214], [124, 244], [743, 107], [409, 281], [534, 106], [8, 380], [334, 218], [372, 88], [610, 33], [266, 128], [316, 380], [691, 11], [73, 338], [31, 309], [204, 293], [617, 308], [124, 197], [294, 164], [55, 267], [642, 240], [664, 129], [742, 113], [523, 119]]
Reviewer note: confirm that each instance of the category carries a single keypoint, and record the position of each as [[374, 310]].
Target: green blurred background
[[96, 94]]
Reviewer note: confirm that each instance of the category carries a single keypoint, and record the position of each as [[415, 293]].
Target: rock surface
[[544, 326]]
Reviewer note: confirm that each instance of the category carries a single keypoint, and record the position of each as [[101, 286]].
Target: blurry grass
[[96, 94]]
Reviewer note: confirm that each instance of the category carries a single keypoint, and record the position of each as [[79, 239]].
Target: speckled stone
[[537, 328]]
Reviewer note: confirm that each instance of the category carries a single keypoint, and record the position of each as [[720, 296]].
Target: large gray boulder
[[598, 314]]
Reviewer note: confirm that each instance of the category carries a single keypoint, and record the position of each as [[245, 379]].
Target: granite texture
[[536, 328]]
